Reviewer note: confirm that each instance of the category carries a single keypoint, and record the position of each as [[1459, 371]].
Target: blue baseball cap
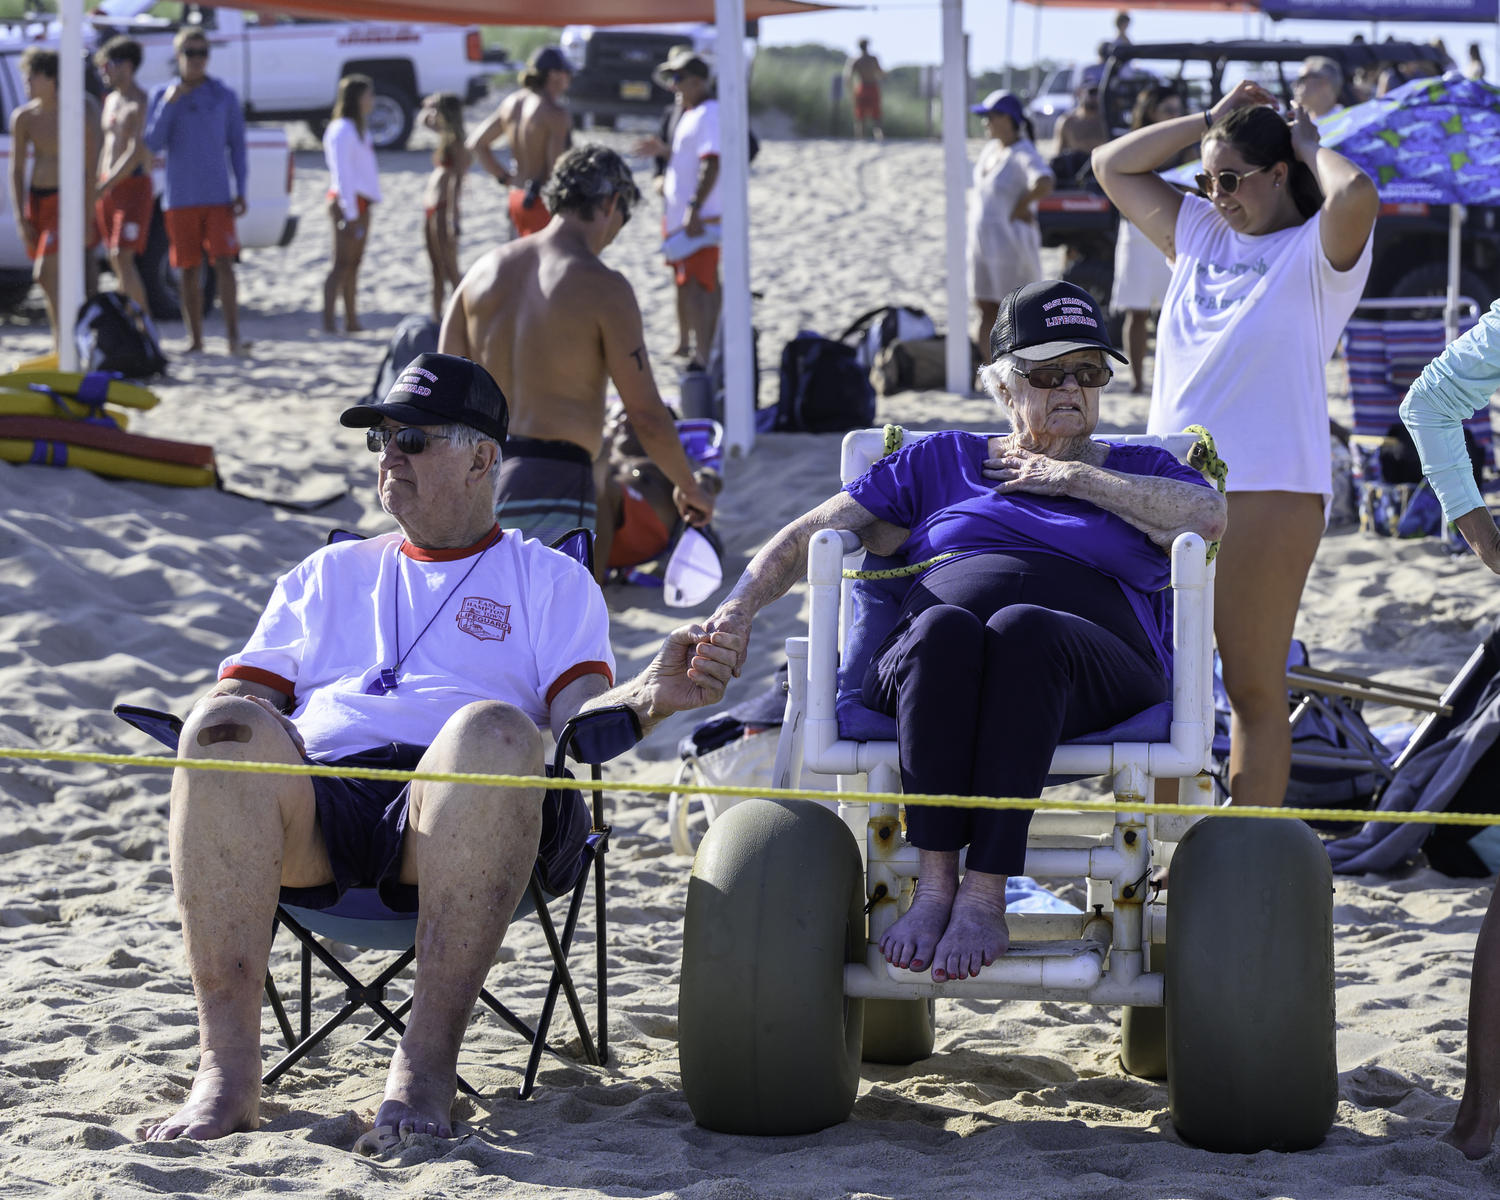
[[1000, 102], [549, 58]]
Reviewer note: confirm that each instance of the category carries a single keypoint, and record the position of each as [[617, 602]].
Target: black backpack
[[417, 334], [114, 335], [823, 388]]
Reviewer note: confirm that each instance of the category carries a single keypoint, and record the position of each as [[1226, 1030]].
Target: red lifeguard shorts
[[41, 212], [700, 265], [124, 214], [527, 220], [867, 102], [201, 228]]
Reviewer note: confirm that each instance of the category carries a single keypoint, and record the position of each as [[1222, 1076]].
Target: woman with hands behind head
[[1046, 618], [1269, 263]]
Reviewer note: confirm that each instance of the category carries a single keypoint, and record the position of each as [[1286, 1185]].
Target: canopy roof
[[532, 12], [1217, 6]]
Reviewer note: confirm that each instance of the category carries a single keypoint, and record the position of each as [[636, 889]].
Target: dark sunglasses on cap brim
[[409, 439]]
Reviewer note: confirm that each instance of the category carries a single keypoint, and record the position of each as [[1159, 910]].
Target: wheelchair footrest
[[1072, 966]]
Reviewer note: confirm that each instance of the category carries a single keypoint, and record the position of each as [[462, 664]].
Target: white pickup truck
[[288, 68], [268, 219]]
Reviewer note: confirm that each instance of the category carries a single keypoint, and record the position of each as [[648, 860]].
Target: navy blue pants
[[995, 660]]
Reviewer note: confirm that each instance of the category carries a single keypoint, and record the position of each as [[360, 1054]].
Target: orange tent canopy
[[532, 12]]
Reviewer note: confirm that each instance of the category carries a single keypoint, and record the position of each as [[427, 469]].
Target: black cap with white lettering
[[1047, 320], [439, 389]]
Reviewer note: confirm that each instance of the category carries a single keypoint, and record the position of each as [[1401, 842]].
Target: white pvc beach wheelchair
[[784, 989]]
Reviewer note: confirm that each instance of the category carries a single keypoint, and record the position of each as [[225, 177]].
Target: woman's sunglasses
[[194, 52], [1228, 181], [1047, 378], [409, 439]]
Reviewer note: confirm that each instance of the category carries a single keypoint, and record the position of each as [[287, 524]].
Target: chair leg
[[510, 1018], [274, 997], [378, 1031], [561, 977], [601, 948], [306, 985]]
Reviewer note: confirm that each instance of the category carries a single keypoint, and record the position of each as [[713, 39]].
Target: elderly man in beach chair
[[444, 648], [1039, 613]]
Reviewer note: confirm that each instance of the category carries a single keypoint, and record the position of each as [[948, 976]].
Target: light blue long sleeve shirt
[[1454, 386], [195, 133]]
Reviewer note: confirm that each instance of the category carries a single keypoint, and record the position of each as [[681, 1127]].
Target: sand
[[118, 592]]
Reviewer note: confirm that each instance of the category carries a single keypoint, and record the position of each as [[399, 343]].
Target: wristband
[[1208, 118]]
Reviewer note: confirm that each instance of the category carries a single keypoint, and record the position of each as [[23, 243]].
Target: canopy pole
[[1456, 214], [1010, 44], [734, 196], [955, 169], [71, 142]]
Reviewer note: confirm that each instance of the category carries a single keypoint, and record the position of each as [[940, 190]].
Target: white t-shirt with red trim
[[695, 138], [524, 624]]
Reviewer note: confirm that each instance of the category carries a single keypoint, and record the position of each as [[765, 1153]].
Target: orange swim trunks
[[702, 266], [527, 220], [41, 212], [124, 214], [867, 102], [198, 228]]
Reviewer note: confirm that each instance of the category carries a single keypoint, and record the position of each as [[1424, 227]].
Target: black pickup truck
[[1410, 241]]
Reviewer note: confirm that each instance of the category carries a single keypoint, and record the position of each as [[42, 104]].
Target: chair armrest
[[597, 735]]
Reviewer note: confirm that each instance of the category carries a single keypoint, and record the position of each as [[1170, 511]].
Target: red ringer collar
[[417, 554]]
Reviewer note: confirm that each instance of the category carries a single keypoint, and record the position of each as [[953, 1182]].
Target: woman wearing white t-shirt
[[1264, 279], [353, 186]]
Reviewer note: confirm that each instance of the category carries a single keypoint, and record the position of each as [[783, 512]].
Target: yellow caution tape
[[542, 781]]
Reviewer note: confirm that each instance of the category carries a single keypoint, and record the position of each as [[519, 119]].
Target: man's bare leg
[[128, 276], [703, 315], [609, 500], [234, 840], [471, 850], [912, 940], [1478, 1117], [190, 290], [45, 273], [684, 324], [229, 301], [1135, 343], [988, 311]]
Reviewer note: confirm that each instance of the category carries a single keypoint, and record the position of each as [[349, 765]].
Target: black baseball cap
[[1047, 320], [439, 389], [549, 58]]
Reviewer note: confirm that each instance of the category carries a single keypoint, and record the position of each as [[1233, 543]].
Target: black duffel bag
[[823, 388]]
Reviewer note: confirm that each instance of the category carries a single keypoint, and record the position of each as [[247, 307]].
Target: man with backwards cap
[[554, 325], [442, 647], [539, 128]]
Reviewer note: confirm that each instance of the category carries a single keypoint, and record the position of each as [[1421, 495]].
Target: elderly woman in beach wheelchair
[[1036, 606]]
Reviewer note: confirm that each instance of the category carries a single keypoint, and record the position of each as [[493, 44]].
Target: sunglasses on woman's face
[[195, 52], [1228, 181], [1047, 378], [409, 439]]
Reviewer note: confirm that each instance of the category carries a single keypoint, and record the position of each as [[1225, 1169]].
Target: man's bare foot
[[195, 348], [977, 934], [353, 327], [416, 1100], [910, 942], [1473, 1137], [225, 1099], [238, 349]]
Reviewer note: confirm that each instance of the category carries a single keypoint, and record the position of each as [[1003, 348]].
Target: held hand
[[694, 224], [650, 147], [1245, 95], [734, 621], [239, 206], [1023, 471], [283, 720], [695, 507], [1022, 212], [1305, 136], [692, 668]]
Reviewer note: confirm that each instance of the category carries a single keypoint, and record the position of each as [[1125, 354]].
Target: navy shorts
[[364, 823]]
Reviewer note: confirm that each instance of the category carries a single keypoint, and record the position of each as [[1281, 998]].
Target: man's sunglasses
[[1047, 378], [1228, 181], [409, 439], [195, 52]]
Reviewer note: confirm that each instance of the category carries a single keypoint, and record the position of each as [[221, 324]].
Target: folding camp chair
[[360, 919]]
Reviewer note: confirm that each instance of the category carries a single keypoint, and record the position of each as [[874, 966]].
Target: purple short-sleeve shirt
[[936, 488]]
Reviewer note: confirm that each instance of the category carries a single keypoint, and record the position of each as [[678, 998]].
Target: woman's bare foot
[[225, 1099], [1471, 1134], [977, 934], [909, 943]]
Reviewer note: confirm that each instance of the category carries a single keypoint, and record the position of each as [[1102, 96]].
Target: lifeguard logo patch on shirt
[[483, 619]]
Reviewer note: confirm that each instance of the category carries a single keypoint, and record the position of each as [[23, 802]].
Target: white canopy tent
[[729, 16]]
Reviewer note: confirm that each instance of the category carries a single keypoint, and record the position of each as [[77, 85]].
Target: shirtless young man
[[864, 75], [1083, 128], [554, 325], [34, 125], [124, 206], [539, 129]]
